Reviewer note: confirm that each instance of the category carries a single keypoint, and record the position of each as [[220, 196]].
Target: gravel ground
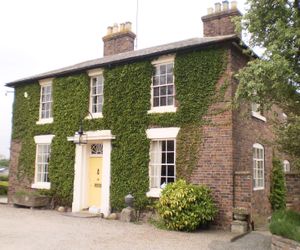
[[22, 228], [254, 240]]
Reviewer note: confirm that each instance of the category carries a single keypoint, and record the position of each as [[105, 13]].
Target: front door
[[95, 175]]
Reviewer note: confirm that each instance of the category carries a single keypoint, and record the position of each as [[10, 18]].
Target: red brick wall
[[214, 167], [218, 24], [242, 189], [248, 130], [293, 190], [118, 43], [14, 183]]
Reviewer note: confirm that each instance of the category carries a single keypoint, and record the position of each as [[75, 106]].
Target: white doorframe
[[80, 190]]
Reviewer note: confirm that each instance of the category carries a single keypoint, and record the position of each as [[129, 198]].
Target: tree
[[275, 77], [4, 162], [278, 189]]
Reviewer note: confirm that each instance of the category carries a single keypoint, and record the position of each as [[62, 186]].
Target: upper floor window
[[257, 112], [286, 166], [96, 93], [43, 150], [258, 167], [46, 102], [163, 87]]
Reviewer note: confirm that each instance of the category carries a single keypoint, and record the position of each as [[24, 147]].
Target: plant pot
[[29, 200]]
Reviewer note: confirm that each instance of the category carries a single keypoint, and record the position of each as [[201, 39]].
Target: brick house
[[234, 153]]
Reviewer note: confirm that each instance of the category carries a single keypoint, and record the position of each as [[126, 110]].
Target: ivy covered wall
[[127, 94]]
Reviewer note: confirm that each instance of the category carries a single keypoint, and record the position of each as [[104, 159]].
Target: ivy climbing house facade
[[136, 120]]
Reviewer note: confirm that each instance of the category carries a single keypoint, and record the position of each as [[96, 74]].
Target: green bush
[[184, 207], [3, 187], [278, 189], [3, 177], [286, 224]]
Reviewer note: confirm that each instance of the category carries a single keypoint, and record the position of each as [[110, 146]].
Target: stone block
[[128, 215], [239, 226], [112, 216]]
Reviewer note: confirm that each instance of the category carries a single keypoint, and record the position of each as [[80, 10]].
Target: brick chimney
[[119, 39], [218, 22]]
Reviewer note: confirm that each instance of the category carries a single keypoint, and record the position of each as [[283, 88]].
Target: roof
[[127, 56]]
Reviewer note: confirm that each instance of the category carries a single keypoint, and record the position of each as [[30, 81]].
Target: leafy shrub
[[3, 187], [3, 177], [278, 189], [184, 207], [286, 224]]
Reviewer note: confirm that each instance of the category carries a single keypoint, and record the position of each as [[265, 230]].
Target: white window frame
[[256, 167], [92, 74], [41, 140], [168, 108], [159, 134], [45, 83], [255, 112], [286, 166]]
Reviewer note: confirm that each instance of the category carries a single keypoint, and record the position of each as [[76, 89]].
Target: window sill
[[154, 192], [164, 109], [41, 185], [44, 121], [258, 116], [258, 188], [95, 116]]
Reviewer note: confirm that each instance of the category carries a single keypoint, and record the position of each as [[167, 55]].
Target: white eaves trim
[[162, 109], [45, 82], [96, 135], [164, 59], [95, 116], [44, 121], [43, 139], [154, 192], [162, 133], [41, 185], [95, 72]]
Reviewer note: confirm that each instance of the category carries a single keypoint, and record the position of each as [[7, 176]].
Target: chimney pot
[[225, 5], [233, 4], [109, 30], [210, 11], [115, 28], [219, 23], [119, 39], [217, 7], [128, 26], [122, 27]]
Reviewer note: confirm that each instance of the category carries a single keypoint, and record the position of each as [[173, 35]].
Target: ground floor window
[[286, 166], [42, 162], [162, 163], [43, 152], [258, 167]]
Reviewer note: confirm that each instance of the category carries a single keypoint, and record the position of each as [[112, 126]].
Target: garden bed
[[285, 227]]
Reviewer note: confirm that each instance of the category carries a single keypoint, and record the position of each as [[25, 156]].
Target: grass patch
[[286, 224]]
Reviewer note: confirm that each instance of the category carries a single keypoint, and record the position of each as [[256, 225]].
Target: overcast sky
[[39, 36]]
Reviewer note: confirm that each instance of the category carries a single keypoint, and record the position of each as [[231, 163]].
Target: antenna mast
[[136, 23]]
